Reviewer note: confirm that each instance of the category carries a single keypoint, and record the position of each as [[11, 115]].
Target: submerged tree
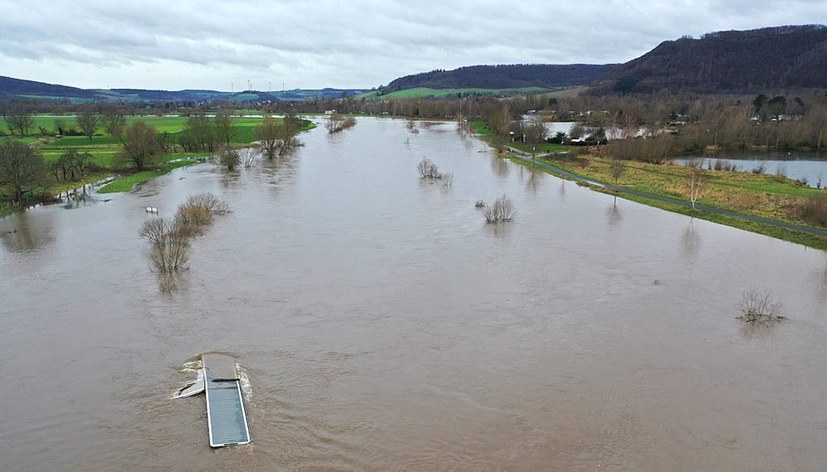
[[268, 135], [170, 244], [170, 239]]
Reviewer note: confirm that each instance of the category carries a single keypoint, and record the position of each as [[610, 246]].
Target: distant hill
[[11, 88], [503, 77], [785, 57]]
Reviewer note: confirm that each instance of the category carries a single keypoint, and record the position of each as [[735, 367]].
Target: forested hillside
[[19, 89], [785, 57], [503, 76], [10, 87]]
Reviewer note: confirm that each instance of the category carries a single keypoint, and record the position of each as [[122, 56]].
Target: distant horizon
[[285, 89], [155, 45]]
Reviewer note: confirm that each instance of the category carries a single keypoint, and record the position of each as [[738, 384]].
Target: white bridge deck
[[225, 409]]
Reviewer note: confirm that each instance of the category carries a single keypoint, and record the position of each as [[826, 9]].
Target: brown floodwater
[[383, 326]]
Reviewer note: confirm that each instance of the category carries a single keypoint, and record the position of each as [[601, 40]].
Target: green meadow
[[106, 149]]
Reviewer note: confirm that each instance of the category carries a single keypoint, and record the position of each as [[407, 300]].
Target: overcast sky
[[178, 44]]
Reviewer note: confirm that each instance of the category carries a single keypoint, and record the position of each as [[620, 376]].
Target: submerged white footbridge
[[226, 418]]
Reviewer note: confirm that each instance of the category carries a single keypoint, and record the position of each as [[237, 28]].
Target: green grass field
[[106, 150]]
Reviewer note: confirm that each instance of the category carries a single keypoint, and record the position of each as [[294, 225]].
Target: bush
[[759, 307], [229, 158], [427, 169], [723, 164], [338, 123], [208, 201], [502, 210], [813, 210], [193, 217], [761, 168]]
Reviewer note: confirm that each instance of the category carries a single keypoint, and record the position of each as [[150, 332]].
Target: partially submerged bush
[[427, 169], [170, 239], [229, 158], [209, 202], [501, 210], [193, 216], [760, 169], [759, 307], [337, 123]]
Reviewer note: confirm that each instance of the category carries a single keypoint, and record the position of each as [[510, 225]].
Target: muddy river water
[[383, 326]]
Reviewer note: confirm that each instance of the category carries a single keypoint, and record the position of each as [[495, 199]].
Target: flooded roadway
[[384, 326]]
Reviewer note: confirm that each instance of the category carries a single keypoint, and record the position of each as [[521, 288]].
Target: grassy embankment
[[766, 196], [105, 150]]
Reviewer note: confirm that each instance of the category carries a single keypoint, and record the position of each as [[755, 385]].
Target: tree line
[[23, 168]]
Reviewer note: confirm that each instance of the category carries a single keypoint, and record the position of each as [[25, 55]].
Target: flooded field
[[384, 326]]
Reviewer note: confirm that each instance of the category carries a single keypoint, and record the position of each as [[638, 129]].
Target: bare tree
[[113, 121], [287, 132], [269, 136], [224, 126], [535, 131], [696, 181], [170, 244], [502, 210], [170, 239], [21, 168], [199, 133], [141, 144], [21, 120], [88, 122], [617, 167], [248, 156], [70, 165]]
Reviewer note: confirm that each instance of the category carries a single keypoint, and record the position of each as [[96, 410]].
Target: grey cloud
[[355, 43]]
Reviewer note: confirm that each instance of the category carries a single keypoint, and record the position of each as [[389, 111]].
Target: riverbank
[[764, 204], [760, 203]]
